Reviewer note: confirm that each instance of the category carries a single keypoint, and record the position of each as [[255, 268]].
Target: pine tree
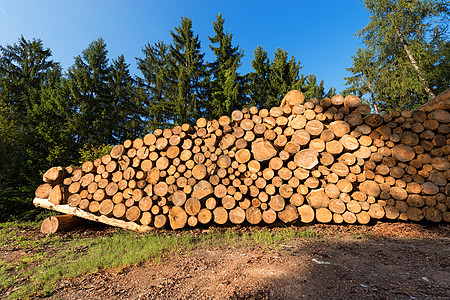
[[227, 85]]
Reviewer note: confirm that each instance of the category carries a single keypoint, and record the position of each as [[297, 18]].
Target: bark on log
[[65, 209]]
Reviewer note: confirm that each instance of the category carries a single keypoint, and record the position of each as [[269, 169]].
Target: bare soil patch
[[384, 261]]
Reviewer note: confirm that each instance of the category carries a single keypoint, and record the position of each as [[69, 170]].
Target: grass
[[362, 235], [53, 258]]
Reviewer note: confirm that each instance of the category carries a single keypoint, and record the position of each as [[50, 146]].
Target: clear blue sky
[[320, 34]]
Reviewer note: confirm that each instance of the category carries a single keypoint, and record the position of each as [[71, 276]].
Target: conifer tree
[[259, 87], [311, 89], [284, 76], [271, 80], [189, 72], [227, 85], [157, 89], [362, 82], [125, 107], [33, 122], [88, 82]]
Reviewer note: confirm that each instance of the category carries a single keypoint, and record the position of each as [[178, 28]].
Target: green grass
[[38, 274], [362, 235]]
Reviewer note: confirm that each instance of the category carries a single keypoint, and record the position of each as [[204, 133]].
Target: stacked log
[[327, 160]]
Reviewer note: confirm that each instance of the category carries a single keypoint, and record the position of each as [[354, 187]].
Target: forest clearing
[[381, 261]]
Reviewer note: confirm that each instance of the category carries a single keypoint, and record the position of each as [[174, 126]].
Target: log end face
[[293, 98], [263, 150]]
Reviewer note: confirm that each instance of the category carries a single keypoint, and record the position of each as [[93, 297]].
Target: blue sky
[[320, 34]]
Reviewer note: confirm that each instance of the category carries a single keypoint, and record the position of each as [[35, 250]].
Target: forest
[[50, 116]]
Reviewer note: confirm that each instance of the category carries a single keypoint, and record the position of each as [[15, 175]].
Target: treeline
[[50, 117], [405, 60]]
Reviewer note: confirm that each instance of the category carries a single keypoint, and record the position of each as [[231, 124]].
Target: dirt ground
[[384, 261]]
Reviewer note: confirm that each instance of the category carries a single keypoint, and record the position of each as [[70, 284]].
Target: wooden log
[[220, 215], [277, 203], [370, 188], [376, 211], [314, 127], [339, 128], [242, 156], [160, 220], [323, 215], [44, 203], [43, 191], [403, 153], [337, 206], [54, 175], [177, 217], [352, 101], [203, 189], [106, 207], [289, 214], [59, 223], [263, 150], [318, 198], [204, 216], [306, 159], [192, 206], [414, 214], [269, 216], [237, 215], [293, 98]]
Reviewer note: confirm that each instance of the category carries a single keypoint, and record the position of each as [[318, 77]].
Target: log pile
[[326, 160]]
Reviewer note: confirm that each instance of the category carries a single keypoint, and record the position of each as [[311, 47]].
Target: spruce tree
[[189, 72], [259, 87], [284, 76], [227, 85], [157, 88], [33, 123], [122, 89], [88, 81], [271, 80]]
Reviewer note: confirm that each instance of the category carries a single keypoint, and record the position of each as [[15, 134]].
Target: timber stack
[[327, 160]]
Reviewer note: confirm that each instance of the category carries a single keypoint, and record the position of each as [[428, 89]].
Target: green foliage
[[227, 86], [87, 81], [33, 123], [190, 73], [405, 62], [271, 80], [156, 88], [91, 153]]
